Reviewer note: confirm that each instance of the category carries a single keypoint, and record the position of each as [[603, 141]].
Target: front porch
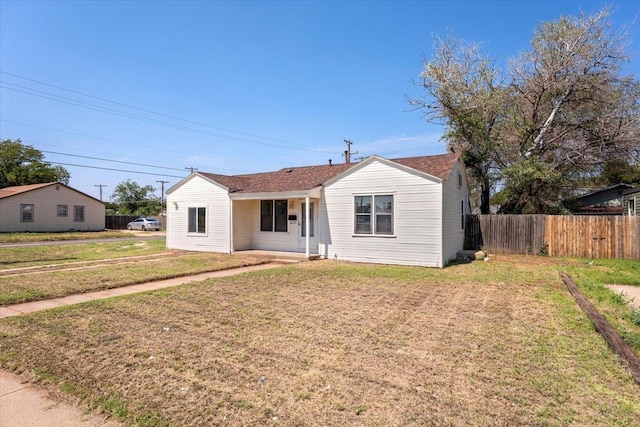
[[283, 256], [272, 225]]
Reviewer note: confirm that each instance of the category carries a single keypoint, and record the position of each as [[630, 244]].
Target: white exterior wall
[[198, 192], [417, 218], [45, 203], [453, 195], [272, 240], [245, 214]]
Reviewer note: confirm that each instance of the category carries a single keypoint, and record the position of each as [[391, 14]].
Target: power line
[[109, 160], [89, 136], [86, 105], [116, 170], [147, 111]]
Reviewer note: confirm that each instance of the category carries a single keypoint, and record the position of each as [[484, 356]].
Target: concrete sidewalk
[[31, 307], [23, 404]]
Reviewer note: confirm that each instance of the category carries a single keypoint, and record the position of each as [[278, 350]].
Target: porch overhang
[[313, 193]]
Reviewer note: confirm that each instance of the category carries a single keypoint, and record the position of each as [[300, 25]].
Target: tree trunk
[[485, 196]]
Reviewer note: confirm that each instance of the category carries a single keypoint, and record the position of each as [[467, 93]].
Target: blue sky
[[237, 87]]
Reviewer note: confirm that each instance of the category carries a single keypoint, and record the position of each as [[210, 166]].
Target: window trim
[[373, 216], [196, 224], [23, 211], [76, 210]]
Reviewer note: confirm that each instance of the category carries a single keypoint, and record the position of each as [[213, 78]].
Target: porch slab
[[279, 255]]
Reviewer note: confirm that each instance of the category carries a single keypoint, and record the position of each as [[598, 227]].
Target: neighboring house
[[631, 202], [607, 201], [405, 211], [49, 207]]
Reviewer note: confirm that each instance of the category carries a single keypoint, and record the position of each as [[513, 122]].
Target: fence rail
[[602, 236]]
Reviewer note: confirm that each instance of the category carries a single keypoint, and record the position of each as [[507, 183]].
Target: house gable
[[53, 207]]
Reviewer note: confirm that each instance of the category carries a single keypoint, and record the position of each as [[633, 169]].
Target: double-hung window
[[273, 215], [374, 214], [197, 221], [78, 213], [26, 213], [62, 210]]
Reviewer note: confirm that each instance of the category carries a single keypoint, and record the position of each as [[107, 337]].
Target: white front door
[[302, 226]]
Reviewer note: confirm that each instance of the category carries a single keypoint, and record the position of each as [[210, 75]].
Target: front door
[[302, 226]]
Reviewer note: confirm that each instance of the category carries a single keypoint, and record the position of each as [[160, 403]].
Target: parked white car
[[144, 224]]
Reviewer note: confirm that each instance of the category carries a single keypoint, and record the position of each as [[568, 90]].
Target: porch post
[[231, 248], [307, 226]]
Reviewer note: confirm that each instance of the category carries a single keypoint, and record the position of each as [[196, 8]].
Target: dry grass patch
[[327, 343], [30, 256], [65, 279], [70, 235]]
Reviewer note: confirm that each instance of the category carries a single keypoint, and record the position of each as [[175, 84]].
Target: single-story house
[[51, 207], [631, 201], [604, 201], [408, 211]]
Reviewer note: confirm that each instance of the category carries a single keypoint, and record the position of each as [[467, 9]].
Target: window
[[374, 214], [197, 220], [62, 210], [632, 207], [459, 179], [273, 215], [78, 213], [26, 213], [462, 212]]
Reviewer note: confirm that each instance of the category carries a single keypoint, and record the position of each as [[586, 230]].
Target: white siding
[[271, 240], [245, 215], [453, 195], [45, 203], [417, 218], [198, 192]]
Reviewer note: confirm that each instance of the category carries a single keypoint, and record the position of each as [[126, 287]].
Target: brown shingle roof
[[307, 177], [12, 191]]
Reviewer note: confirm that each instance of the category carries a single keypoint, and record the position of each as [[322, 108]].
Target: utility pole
[[100, 185], [191, 168], [162, 183], [347, 154]]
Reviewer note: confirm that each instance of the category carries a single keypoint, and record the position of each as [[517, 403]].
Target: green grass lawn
[[333, 344]]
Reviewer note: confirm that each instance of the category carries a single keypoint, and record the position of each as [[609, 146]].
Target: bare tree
[[465, 93], [572, 109], [562, 110]]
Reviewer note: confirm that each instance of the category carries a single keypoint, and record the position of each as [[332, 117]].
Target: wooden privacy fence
[[606, 236], [119, 222]]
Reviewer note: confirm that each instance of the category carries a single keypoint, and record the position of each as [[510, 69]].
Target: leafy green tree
[[23, 165], [619, 171], [132, 199]]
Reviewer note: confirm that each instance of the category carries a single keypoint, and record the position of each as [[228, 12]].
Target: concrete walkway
[[31, 307], [23, 404], [630, 293]]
